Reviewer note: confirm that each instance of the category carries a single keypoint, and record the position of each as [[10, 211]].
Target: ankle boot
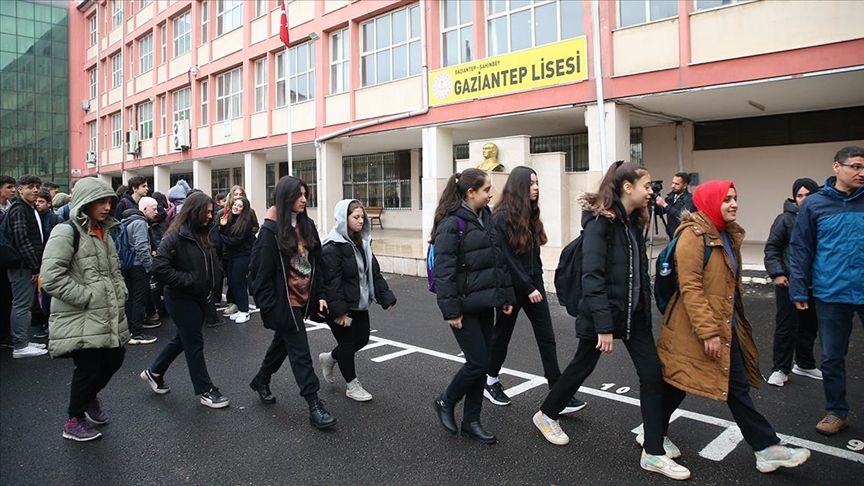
[[476, 431], [262, 387], [319, 417], [445, 415]]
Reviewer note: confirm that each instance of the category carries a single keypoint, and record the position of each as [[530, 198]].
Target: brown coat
[[704, 311]]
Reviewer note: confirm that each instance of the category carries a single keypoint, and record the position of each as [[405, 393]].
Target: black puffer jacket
[[777, 246], [236, 245], [186, 267], [473, 276], [342, 279], [525, 268], [607, 264]]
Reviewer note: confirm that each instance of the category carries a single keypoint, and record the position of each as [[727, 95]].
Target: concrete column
[[555, 204], [202, 176], [255, 182], [437, 168], [105, 177], [161, 178], [128, 174], [329, 155], [617, 125]]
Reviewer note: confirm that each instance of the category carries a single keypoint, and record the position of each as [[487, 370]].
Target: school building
[[387, 98]]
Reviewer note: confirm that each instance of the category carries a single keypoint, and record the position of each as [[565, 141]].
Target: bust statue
[[490, 159]]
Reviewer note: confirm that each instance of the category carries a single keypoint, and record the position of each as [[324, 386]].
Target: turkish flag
[[283, 25]]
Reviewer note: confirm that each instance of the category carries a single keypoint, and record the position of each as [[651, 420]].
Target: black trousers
[[292, 344], [475, 341], [238, 269], [93, 369], [643, 352], [541, 322], [5, 306], [794, 334], [138, 284], [754, 427], [188, 316], [350, 340]]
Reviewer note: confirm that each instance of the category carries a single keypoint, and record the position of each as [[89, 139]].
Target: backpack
[[666, 274], [430, 254], [568, 276], [9, 256], [124, 248]]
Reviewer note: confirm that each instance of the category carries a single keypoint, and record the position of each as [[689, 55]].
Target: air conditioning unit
[[132, 142], [181, 135], [85, 105], [90, 157]]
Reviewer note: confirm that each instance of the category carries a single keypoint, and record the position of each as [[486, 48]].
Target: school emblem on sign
[[442, 85]]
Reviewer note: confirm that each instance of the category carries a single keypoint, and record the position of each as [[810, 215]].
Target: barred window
[[221, 181], [307, 171], [378, 179], [574, 146]]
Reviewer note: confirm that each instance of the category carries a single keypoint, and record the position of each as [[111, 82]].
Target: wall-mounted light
[[193, 72], [756, 105], [313, 37]]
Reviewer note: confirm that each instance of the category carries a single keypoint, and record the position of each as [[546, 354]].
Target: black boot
[[263, 388], [445, 415], [475, 431], [319, 417]]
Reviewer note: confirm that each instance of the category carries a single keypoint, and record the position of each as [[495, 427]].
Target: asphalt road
[[395, 438]]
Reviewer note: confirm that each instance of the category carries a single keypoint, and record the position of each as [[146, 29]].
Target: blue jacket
[[826, 247]]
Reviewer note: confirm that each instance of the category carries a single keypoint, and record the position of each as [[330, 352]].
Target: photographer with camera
[[675, 202]]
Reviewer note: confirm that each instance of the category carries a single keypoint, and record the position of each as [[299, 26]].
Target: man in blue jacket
[[826, 254]]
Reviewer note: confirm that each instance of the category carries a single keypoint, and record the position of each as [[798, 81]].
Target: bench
[[374, 214]]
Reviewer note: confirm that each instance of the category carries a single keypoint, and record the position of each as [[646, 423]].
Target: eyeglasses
[[854, 167]]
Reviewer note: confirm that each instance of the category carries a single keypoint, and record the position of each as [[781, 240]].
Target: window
[[94, 30], [205, 102], [144, 3], [116, 130], [340, 77], [237, 173], [632, 12], [301, 60], [145, 54], [574, 146], [182, 104], [306, 171], [229, 95], [458, 31], [390, 46], [91, 74], [116, 70], [92, 129], [636, 146], [260, 7], [117, 17], [183, 34], [205, 21], [706, 4], [163, 35], [229, 15], [261, 85], [379, 179], [220, 182], [145, 121], [516, 25], [163, 115]]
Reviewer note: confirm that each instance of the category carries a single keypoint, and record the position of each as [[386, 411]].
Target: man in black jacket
[[675, 202], [26, 233], [137, 189], [7, 197]]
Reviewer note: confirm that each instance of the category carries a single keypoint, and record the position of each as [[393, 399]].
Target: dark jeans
[[188, 316], [643, 352], [754, 427], [238, 269], [5, 306], [834, 331], [138, 285], [93, 369], [350, 340], [475, 341], [541, 322], [795, 333], [292, 344]]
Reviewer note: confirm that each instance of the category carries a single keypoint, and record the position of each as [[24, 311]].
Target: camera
[[657, 187]]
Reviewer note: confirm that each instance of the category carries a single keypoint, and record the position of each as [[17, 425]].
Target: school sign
[[540, 67]]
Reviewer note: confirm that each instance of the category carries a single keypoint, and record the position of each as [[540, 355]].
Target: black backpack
[[568, 276], [9, 256]]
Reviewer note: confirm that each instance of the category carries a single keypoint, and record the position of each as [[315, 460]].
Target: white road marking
[[388, 357], [372, 346], [726, 442]]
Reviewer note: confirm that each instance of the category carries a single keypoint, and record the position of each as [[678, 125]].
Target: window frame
[[117, 130], [373, 54], [648, 18], [92, 79], [94, 134], [340, 68], [184, 39], [508, 14], [145, 54], [163, 115], [229, 97], [163, 41], [94, 30], [117, 70], [261, 8], [145, 125], [178, 97], [205, 102], [307, 75], [697, 8], [234, 13], [205, 21], [458, 28], [117, 14], [260, 82]]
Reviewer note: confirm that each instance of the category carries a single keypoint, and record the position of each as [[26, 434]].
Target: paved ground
[[395, 438]]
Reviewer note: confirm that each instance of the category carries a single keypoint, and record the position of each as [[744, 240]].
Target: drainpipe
[[598, 81]]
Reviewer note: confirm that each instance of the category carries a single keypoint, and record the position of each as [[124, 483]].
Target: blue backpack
[[666, 274], [430, 255], [124, 248]]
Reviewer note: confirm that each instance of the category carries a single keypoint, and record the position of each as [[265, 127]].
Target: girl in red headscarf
[[706, 344]]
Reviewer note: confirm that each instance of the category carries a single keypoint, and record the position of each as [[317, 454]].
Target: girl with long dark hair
[[616, 304], [517, 220], [284, 270], [471, 281], [238, 236], [352, 282], [186, 265], [223, 217]]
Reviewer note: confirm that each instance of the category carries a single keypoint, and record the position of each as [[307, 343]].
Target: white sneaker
[[232, 309], [356, 392], [551, 429], [327, 365], [769, 459], [664, 465], [778, 378], [240, 317], [29, 352], [38, 345], [671, 449], [814, 373]]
